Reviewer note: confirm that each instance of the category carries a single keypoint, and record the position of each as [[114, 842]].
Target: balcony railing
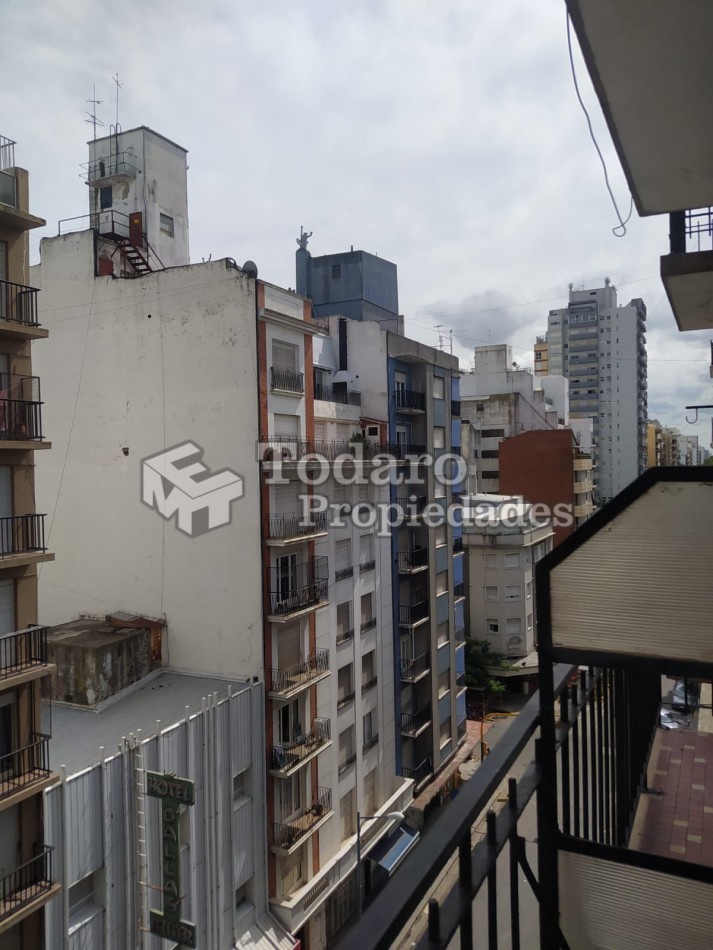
[[368, 624], [286, 758], [287, 380], [459, 589], [299, 587], [347, 763], [288, 449], [22, 534], [410, 614], [409, 401], [301, 674], [419, 773], [22, 651], [342, 573], [366, 566], [413, 723], [691, 231], [288, 835], [343, 397], [18, 303], [344, 698], [280, 527], [603, 738], [20, 420], [370, 743], [412, 505], [24, 766], [26, 883], [344, 635], [412, 669], [412, 560], [120, 163]]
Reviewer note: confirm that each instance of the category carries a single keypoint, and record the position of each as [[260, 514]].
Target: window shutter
[[284, 355], [286, 426]]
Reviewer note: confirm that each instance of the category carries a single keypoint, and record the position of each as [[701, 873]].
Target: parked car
[[685, 695]]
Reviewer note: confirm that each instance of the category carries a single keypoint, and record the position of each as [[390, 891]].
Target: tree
[[480, 660]]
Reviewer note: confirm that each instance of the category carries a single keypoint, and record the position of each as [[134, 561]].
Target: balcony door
[[286, 574]]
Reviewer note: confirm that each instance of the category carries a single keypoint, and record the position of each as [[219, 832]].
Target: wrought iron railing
[[412, 723], [22, 534], [20, 420], [119, 163], [344, 635], [298, 587], [341, 396], [287, 380], [408, 560], [280, 527], [412, 505], [26, 883], [414, 667], [301, 674], [366, 566], [286, 836], [22, 651], [691, 231], [285, 758], [18, 303], [343, 573], [24, 766], [419, 772], [413, 613], [408, 399]]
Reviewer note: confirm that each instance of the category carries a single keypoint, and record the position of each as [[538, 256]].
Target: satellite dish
[[250, 268]]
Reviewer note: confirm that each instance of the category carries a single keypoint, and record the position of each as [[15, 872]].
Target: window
[[361, 493], [512, 560], [444, 682], [366, 548], [289, 798], [489, 454], [528, 589], [368, 668], [441, 535], [513, 592], [346, 815], [166, 224], [371, 801], [346, 749], [493, 433], [241, 785], [292, 872], [7, 725], [344, 621], [345, 684], [492, 473], [439, 437], [367, 608], [493, 626], [491, 594], [284, 355], [81, 894], [443, 633], [439, 387], [343, 557], [529, 621], [513, 625], [105, 197], [441, 583], [445, 731], [371, 729], [289, 723], [491, 561]]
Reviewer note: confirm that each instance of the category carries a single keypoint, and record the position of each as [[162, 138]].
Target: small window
[[491, 561], [512, 560], [513, 592], [513, 625], [493, 626], [491, 594], [439, 437], [105, 197], [444, 682], [166, 224], [439, 387], [336, 271]]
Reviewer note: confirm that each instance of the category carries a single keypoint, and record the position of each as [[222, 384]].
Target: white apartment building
[[329, 651], [601, 348], [503, 541]]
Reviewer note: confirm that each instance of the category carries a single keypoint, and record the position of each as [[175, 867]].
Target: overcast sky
[[443, 136]]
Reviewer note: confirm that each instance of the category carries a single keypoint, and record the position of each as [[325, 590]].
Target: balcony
[[366, 566], [343, 573], [23, 654], [27, 885], [22, 535], [25, 767], [287, 837], [298, 588], [284, 684], [412, 506], [420, 772], [411, 614], [687, 272], [415, 668], [408, 402], [118, 165], [288, 529], [287, 759], [18, 306], [413, 562], [413, 724], [286, 381], [337, 394]]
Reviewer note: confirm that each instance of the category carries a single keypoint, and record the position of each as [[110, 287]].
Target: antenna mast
[[440, 337], [115, 80], [93, 120]]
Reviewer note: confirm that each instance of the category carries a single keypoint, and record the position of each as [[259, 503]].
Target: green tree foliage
[[480, 660]]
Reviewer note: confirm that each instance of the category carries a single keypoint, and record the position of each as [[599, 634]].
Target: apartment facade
[[328, 627], [601, 348], [27, 866]]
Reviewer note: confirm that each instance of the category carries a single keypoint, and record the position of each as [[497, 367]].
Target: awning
[[392, 849]]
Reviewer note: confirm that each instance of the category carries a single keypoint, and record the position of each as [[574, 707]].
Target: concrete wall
[[136, 367]]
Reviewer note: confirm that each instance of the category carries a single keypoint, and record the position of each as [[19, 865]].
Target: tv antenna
[[115, 80], [93, 120], [440, 335]]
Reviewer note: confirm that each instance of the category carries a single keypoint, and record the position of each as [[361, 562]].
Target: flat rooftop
[[78, 733]]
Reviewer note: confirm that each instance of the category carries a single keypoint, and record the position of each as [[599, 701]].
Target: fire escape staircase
[[136, 258]]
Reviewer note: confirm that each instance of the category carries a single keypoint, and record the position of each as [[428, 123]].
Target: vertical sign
[[173, 793]]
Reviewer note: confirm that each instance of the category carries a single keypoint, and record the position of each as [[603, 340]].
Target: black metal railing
[[459, 589], [410, 401], [412, 668], [420, 772], [22, 651], [22, 534], [18, 303], [24, 766], [286, 448], [408, 560], [455, 407], [119, 163], [342, 396], [115, 225], [370, 743], [691, 231], [413, 613], [412, 505], [344, 635], [299, 586], [20, 420], [287, 757], [412, 723], [602, 742], [26, 883], [368, 680], [366, 566], [286, 836], [368, 624], [343, 572], [457, 545], [280, 527], [301, 674], [287, 380]]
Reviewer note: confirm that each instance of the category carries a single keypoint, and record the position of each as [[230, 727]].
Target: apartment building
[[504, 537], [601, 348], [27, 866]]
